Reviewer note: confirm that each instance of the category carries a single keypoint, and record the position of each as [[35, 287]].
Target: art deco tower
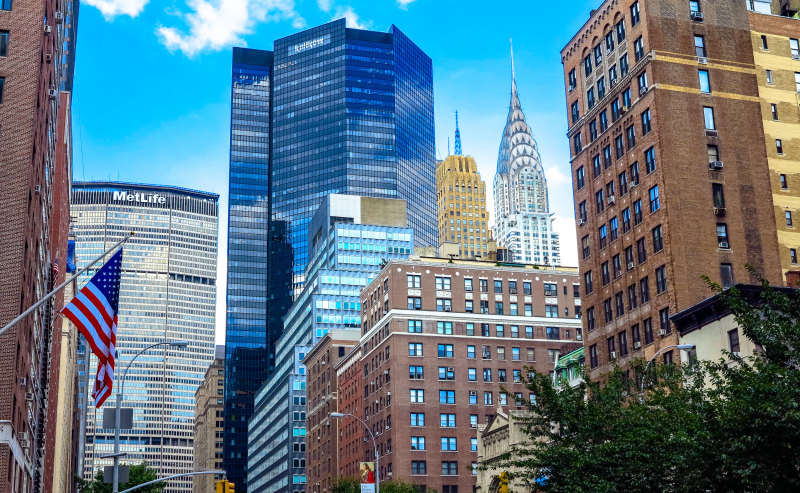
[[524, 224]]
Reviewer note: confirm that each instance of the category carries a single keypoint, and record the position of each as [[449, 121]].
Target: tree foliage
[[731, 425], [353, 485], [139, 474]]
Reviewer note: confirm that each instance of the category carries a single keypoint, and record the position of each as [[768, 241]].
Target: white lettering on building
[[307, 45], [139, 197]]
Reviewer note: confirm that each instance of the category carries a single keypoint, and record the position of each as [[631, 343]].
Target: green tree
[[731, 426], [346, 485], [139, 474]]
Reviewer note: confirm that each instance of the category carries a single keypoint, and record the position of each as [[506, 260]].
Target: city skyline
[[469, 75]]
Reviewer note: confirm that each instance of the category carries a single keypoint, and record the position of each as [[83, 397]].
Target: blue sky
[[152, 89]]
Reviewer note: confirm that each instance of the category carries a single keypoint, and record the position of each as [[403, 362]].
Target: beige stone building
[[501, 434], [208, 423]]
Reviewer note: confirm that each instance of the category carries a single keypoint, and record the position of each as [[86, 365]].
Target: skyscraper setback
[[330, 110], [523, 223]]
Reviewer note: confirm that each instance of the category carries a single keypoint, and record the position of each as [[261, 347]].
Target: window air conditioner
[[48, 29], [637, 345], [711, 132], [613, 82], [634, 185], [662, 332], [59, 16], [612, 355], [795, 56], [28, 396], [450, 368], [52, 93], [631, 265], [697, 16], [612, 200], [581, 222], [715, 165], [724, 245], [702, 60], [719, 211]]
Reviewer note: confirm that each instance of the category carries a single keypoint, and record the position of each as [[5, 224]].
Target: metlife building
[[329, 110], [168, 292]]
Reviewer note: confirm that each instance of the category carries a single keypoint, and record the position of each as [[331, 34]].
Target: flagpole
[[64, 284]]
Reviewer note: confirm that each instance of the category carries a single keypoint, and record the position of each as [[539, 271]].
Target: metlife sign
[[138, 197]]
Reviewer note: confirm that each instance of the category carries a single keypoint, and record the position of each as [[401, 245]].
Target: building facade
[[349, 393], [503, 432], [523, 223], [362, 125], [208, 423], [34, 184], [322, 440], [463, 218], [350, 238], [776, 51], [439, 339], [668, 185], [168, 292]]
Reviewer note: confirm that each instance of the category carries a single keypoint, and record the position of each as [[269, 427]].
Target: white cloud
[[113, 8], [352, 19], [555, 176], [565, 227], [325, 5], [216, 24], [404, 3]]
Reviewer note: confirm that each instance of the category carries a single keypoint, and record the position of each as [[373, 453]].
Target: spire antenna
[[458, 138], [511, 41]]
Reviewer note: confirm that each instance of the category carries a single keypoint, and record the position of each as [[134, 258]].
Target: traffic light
[[220, 486], [229, 487]]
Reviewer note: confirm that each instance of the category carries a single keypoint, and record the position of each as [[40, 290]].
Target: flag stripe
[[101, 302], [79, 319], [91, 312]]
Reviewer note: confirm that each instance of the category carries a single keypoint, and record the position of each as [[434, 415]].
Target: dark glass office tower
[[330, 110]]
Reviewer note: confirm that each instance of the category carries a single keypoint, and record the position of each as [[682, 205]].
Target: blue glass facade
[[330, 110]]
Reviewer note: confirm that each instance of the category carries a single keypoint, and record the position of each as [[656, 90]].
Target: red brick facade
[[349, 378], [678, 233]]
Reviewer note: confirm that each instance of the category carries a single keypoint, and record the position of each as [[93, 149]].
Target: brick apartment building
[[208, 422], [349, 385], [34, 212], [322, 438], [669, 172], [440, 339]]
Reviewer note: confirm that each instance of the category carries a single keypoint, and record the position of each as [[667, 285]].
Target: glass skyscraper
[[330, 110], [168, 292]]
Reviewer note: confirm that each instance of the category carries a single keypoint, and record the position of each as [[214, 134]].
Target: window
[[2, 87], [700, 46], [794, 46], [601, 88], [774, 109], [607, 312], [619, 304], [446, 373], [512, 287], [416, 373], [417, 419], [487, 399], [413, 281], [581, 212], [468, 284], [593, 363], [590, 318], [637, 212], [663, 317], [470, 352], [634, 13], [528, 310], [733, 340], [632, 300], [531, 354], [626, 99], [603, 121], [655, 200], [472, 374], [797, 81], [722, 234], [444, 305], [694, 6], [445, 328], [587, 282], [658, 239], [629, 260], [769, 76], [587, 65], [5, 5], [726, 275], [641, 251], [417, 443], [414, 303], [415, 349], [599, 201], [789, 218], [443, 283], [623, 183], [484, 285], [606, 273], [642, 80], [445, 351], [446, 396], [553, 333], [526, 288], [603, 236], [419, 467], [705, 84], [417, 396], [615, 110], [634, 169], [615, 261], [779, 146], [579, 181], [498, 286], [447, 420], [586, 247], [708, 115], [638, 49], [598, 55], [647, 326], [610, 41], [607, 157], [623, 65], [620, 31], [487, 374], [469, 307], [575, 110], [449, 444], [626, 220], [631, 135], [577, 144], [644, 289], [764, 45], [486, 352], [713, 153], [484, 306], [590, 98], [415, 326], [551, 311], [573, 81], [498, 307], [646, 127], [661, 279], [635, 335], [793, 255], [718, 193], [550, 289], [3, 43]]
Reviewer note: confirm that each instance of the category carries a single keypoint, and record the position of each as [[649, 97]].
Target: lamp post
[[374, 446], [682, 347], [116, 455]]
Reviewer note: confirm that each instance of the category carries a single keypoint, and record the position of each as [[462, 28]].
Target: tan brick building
[[670, 178], [208, 423], [463, 218], [776, 51], [439, 341], [34, 211], [322, 443]]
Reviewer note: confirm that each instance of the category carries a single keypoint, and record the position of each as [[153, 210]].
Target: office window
[[779, 146], [413, 281], [415, 326], [658, 239], [445, 351], [620, 31], [447, 396], [726, 275], [415, 349], [705, 84], [769, 76], [579, 180], [644, 289], [635, 13], [417, 395], [630, 133], [603, 121], [793, 255], [700, 46], [713, 153], [593, 362], [661, 279], [722, 235], [416, 372], [417, 443], [774, 109], [655, 200], [789, 218], [718, 194], [638, 49], [708, 115], [417, 419], [419, 467]]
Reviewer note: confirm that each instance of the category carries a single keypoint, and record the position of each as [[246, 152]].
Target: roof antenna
[[458, 138], [448, 146]]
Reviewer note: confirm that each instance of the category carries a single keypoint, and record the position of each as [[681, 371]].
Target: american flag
[[94, 312]]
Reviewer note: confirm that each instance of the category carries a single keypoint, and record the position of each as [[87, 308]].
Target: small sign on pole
[[124, 474], [367, 477]]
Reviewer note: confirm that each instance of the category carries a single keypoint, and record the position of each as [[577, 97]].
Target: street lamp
[[682, 347], [116, 455], [375, 447]]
